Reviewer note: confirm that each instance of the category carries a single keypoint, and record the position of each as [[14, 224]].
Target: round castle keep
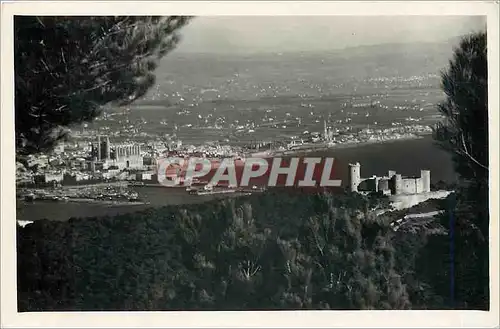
[[354, 176]]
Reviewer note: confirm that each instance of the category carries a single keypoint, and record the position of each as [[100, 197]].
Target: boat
[[30, 197], [262, 154], [210, 192], [253, 189]]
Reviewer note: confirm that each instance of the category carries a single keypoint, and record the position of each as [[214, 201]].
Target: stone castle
[[392, 184]]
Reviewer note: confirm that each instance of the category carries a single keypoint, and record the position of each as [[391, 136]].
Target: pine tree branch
[[464, 151]]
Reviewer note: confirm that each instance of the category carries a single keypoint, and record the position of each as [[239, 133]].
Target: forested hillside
[[271, 251]]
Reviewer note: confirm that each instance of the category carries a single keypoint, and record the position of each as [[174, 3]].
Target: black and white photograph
[[245, 162]]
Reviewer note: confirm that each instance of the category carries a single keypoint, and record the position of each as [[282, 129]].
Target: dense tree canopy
[[270, 251], [464, 257], [66, 68], [465, 130]]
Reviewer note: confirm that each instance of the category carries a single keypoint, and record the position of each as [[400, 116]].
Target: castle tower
[[383, 185], [425, 176], [354, 176], [398, 184], [391, 173]]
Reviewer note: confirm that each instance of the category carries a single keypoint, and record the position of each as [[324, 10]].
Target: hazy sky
[[232, 34]]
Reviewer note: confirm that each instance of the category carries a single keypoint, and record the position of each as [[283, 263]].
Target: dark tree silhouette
[[464, 133], [66, 68], [465, 130]]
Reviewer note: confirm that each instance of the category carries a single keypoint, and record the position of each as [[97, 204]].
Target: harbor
[[98, 193]]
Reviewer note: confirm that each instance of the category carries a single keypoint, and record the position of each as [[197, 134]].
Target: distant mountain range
[[397, 59], [444, 46]]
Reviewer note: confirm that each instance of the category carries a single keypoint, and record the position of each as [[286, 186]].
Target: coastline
[[90, 201], [352, 145], [107, 202]]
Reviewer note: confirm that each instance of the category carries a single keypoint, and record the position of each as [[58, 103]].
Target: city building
[[104, 155], [49, 177], [146, 176], [127, 156], [59, 148]]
